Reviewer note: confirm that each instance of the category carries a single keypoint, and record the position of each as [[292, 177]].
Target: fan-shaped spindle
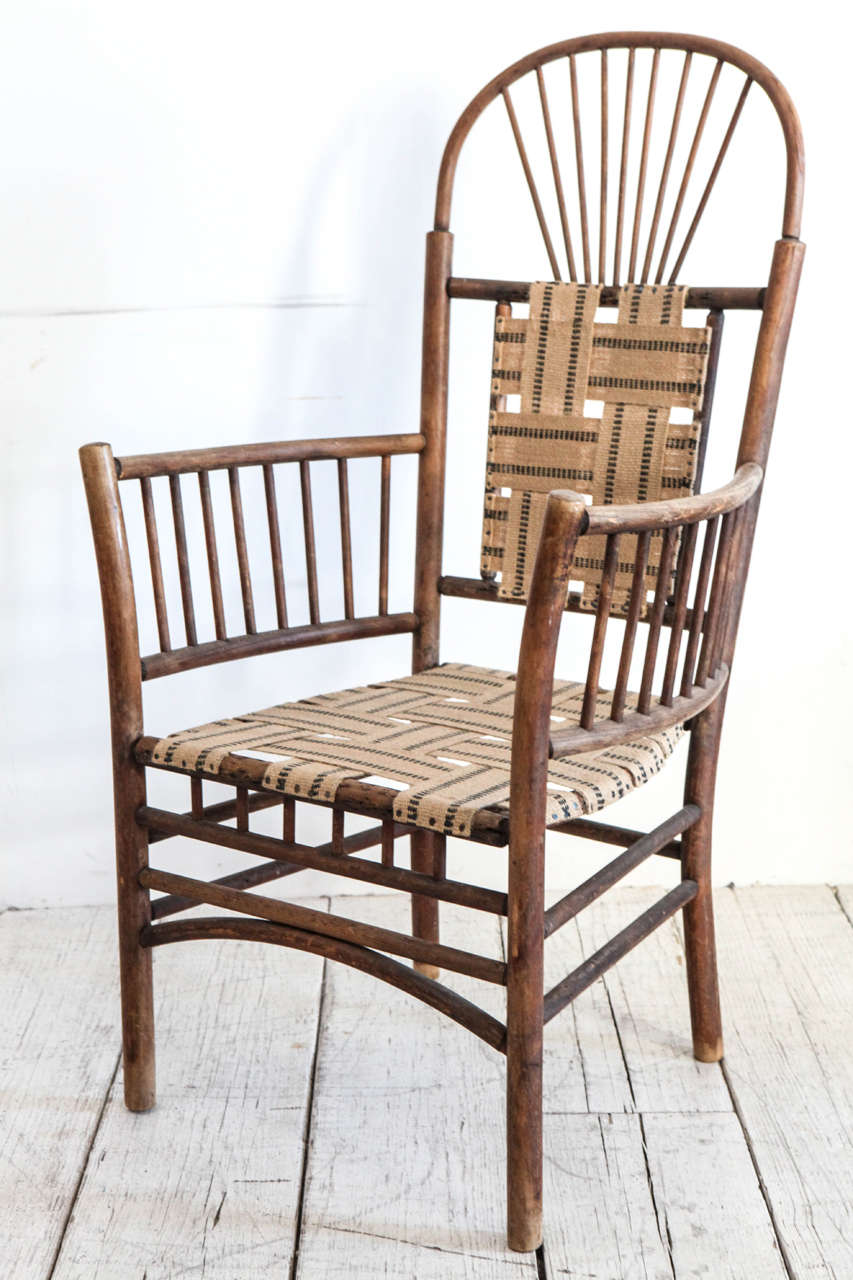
[[709, 186], [531, 183], [605, 600], [644, 161], [635, 608], [667, 164], [183, 559], [576, 119], [160, 610], [664, 583], [698, 619], [212, 554], [310, 544], [275, 545], [688, 169], [346, 536], [682, 589], [555, 169], [623, 167], [602, 195], [242, 552]]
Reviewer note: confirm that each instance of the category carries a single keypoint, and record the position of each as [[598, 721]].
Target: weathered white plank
[[208, 1182], [583, 1068], [406, 1160], [708, 1198], [60, 1044], [786, 963], [599, 1213], [648, 993]]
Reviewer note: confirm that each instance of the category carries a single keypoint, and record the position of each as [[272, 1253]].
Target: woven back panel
[[556, 361]]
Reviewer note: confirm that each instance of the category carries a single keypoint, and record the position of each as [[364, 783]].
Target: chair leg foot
[[699, 940], [428, 857], [134, 913], [702, 984], [138, 1031], [524, 1152]]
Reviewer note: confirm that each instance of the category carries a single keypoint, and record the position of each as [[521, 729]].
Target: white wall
[[212, 219]]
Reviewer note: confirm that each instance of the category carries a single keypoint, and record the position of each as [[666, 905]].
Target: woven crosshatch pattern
[[556, 360], [442, 736]]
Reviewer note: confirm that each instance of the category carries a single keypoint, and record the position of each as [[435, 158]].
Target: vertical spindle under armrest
[[682, 589], [698, 618], [183, 559], [310, 546], [156, 567], [662, 590], [635, 608], [346, 537], [212, 555], [716, 603], [242, 552], [275, 546], [384, 531], [605, 600]]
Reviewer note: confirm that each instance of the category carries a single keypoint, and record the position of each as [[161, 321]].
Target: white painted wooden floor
[[313, 1124]]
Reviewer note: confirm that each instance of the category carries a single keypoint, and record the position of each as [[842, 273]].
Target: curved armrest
[[641, 516]]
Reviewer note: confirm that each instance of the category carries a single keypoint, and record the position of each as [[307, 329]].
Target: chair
[[585, 512]]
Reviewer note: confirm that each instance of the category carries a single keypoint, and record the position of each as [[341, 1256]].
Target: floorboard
[[657, 1168], [406, 1161], [207, 1184], [60, 1046], [786, 967]]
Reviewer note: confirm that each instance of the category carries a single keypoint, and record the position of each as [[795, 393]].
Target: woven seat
[[442, 737]]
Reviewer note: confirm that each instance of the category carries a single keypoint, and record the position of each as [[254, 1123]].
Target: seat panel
[[441, 738]]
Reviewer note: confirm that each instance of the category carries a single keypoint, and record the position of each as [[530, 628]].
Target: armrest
[[641, 516]]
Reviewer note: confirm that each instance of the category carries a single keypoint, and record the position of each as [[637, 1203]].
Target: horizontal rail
[[585, 974], [714, 297], [606, 833], [155, 665], [574, 740], [367, 798], [465, 895], [135, 466], [275, 869], [224, 810], [430, 992], [581, 897], [368, 935], [639, 516]]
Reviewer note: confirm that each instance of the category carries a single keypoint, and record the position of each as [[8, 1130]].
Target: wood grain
[[207, 1183], [61, 1042]]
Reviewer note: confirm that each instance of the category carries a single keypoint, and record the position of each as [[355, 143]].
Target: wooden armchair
[[587, 512]]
